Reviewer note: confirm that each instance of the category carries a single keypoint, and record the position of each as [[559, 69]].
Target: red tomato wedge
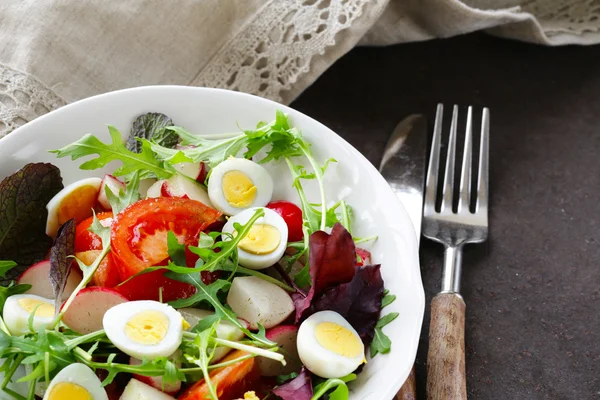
[[88, 246], [107, 274], [86, 240], [147, 287], [139, 233], [230, 382]]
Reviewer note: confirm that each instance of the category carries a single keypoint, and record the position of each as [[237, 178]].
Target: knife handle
[[408, 391], [446, 379]]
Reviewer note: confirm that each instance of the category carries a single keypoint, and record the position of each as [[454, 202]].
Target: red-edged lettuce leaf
[[332, 259], [60, 263], [23, 214], [299, 388], [359, 301]]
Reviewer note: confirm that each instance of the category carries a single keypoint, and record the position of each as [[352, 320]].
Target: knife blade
[[403, 166]]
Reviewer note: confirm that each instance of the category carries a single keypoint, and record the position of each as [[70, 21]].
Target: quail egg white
[[329, 346], [74, 201], [18, 308], [237, 184], [75, 382], [144, 328], [265, 243]]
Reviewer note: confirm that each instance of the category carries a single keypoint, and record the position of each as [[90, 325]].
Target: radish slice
[[145, 184], [285, 336], [155, 189], [114, 185], [259, 302], [196, 171], [38, 277], [180, 186], [136, 390], [85, 314], [157, 381]]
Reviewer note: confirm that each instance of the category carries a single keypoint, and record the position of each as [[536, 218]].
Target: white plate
[[205, 111]]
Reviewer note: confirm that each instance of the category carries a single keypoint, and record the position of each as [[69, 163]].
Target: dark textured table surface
[[533, 291]]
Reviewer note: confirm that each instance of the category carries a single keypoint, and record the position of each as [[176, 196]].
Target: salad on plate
[[179, 276]]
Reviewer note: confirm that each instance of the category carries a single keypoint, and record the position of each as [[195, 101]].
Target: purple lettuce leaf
[[359, 301], [299, 388], [60, 261], [332, 260], [23, 214]]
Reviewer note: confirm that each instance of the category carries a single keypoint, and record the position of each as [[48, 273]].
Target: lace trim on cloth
[[565, 16], [555, 17], [274, 49], [22, 99]]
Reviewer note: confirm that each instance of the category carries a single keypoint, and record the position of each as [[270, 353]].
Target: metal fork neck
[[452, 270]]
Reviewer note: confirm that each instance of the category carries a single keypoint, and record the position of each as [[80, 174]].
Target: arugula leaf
[[120, 201], [280, 379], [387, 299], [381, 342], [6, 266], [176, 250], [302, 278], [340, 392], [151, 126], [205, 351], [23, 214], [60, 263], [210, 293], [211, 259], [211, 152], [145, 161]]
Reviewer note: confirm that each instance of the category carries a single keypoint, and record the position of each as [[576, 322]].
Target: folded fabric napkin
[[57, 51]]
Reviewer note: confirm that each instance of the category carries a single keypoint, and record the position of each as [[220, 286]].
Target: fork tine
[[483, 175], [434, 162], [465, 174], [447, 192]]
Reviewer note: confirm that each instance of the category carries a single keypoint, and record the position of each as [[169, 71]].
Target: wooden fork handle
[[446, 378]]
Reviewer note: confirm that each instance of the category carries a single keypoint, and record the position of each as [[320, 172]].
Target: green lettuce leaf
[[151, 126], [23, 214]]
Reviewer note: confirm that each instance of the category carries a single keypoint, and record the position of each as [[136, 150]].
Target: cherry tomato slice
[[86, 240], [292, 215], [139, 233], [230, 382]]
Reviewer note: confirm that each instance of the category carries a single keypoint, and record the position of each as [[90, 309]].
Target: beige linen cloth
[[53, 52]]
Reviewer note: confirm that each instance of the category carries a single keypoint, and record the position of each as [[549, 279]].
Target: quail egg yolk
[[338, 339], [238, 189], [262, 239], [44, 310], [147, 327], [77, 204], [250, 396], [69, 390]]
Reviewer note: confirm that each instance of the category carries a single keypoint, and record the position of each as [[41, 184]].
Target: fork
[[453, 228]]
